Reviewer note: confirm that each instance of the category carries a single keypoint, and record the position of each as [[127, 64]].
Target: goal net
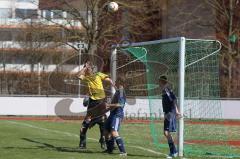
[[192, 68]]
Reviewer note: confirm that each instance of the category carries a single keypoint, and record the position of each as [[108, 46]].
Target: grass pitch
[[59, 140]]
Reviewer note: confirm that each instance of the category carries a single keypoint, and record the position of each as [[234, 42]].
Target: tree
[[227, 25], [98, 25], [35, 39], [135, 20], [209, 19]]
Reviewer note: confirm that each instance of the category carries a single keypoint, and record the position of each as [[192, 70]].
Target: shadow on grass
[[43, 145], [47, 146]]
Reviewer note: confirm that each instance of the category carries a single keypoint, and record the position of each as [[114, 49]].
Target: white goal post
[[180, 48]]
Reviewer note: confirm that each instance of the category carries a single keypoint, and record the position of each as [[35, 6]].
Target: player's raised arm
[[82, 73], [110, 81], [112, 106]]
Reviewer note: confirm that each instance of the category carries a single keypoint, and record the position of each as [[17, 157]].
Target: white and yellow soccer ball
[[112, 7]]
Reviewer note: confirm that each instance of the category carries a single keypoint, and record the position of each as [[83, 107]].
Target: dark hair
[[87, 60], [163, 77], [121, 80]]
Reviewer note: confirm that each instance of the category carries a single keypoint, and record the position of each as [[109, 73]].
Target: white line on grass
[[75, 135], [45, 129], [148, 150]]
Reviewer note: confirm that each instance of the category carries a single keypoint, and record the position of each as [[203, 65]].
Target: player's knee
[[114, 133], [83, 128], [87, 120], [105, 132], [166, 133], [85, 124], [107, 136]]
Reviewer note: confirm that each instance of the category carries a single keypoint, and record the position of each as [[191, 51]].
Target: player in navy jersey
[[112, 125], [171, 113]]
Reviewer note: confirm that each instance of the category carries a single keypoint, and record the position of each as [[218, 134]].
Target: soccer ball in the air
[[112, 7]]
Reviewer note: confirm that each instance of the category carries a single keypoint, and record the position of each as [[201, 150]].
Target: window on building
[[26, 13], [46, 14], [70, 16], [57, 14], [5, 12], [82, 13]]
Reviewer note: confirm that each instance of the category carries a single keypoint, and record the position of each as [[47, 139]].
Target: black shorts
[[99, 120], [96, 108], [170, 122]]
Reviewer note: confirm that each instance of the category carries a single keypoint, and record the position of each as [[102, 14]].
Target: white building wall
[[44, 68], [135, 108], [27, 5], [6, 4], [32, 4]]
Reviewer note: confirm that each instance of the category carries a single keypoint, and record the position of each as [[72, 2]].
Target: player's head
[[88, 64], [120, 82], [162, 80]]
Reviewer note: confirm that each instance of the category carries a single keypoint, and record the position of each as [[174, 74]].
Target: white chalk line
[[75, 135]]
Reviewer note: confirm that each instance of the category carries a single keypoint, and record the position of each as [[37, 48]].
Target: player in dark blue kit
[[171, 113], [113, 122]]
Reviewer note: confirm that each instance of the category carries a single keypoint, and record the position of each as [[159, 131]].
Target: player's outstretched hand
[[113, 84], [112, 106], [178, 115]]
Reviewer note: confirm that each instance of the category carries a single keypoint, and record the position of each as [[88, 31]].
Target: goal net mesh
[[142, 63]]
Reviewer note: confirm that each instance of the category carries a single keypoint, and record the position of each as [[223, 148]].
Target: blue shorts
[[170, 122], [113, 123]]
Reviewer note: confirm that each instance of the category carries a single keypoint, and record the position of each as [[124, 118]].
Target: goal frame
[[181, 74]]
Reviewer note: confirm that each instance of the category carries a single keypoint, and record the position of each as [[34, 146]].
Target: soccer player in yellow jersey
[[96, 101]]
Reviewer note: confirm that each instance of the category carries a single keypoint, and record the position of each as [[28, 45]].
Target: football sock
[[83, 132], [110, 144], [101, 128], [82, 140], [172, 146], [120, 144]]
